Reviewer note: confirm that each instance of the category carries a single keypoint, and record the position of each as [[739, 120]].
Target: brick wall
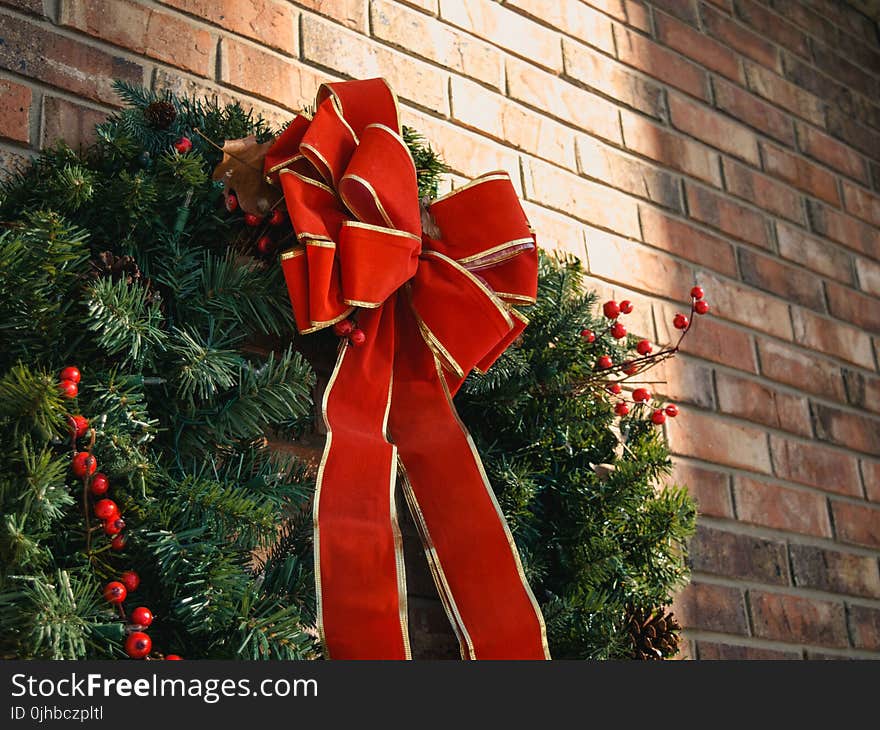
[[735, 143]]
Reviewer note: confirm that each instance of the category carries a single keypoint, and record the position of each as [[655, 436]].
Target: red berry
[[79, 425], [232, 202], [614, 388], [671, 410], [265, 245], [130, 580], [641, 395], [138, 645], [621, 409], [680, 322], [630, 368], [697, 292], [99, 484], [252, 219], [83, 464], [588, 335], [114, 526], [658, 417], [277, 217], [118, 542], [604, 362], [357, 337], [106, 509], [115, 592], [183, 145], [343, 328], [626, 306], [142, 616], [618, 331], [701, 307], [173, 657], [70, 373], [611, 310], [644, 347], [68, 388]]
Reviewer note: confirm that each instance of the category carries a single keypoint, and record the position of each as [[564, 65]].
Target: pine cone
[[108, 265], [654, 634], [160, 114]]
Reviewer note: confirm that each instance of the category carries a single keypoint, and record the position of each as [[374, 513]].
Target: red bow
[[431, 310]]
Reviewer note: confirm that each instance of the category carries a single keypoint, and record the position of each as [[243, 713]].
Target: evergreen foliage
[[121, 260]]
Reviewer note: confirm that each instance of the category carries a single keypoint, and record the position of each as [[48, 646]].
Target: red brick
[[684, 9], [814, 465], [672, 150], [351, 13], [850, 430], [756, 402], [861, 203], [604, 74], [683, 239], [328, 45], [32, 51], [833, 571], [765, 21], [862, 391], [717, 342], [476, 107], [572, 18], [596, 204], [832, 337], [857, 524], [817, 254], [851, 232], [506, 28], [708, 650], [710, 489], [864, 624], [269, 22], [801, 173], [734, 555], [764, 191], [824, 148], [732, 301], [781, 508], [737, 36], [783, 93], [15, 114], [796, 619], [800, 14], [750, 109], [427, 37], [803, 370], [630, 174], [698, 47], [847, 73], [615, 259], [843, 125], [850, 306], [720, 442], [281, 82], [10, 162], [555, 231], [73, 123], [661, 63], [684, 380], [871, 478], [724, 214], [34, 7], [557, 98], [156, 34], [631, 12], [869, 276], [707, 125], [711, 608], [789, 282]]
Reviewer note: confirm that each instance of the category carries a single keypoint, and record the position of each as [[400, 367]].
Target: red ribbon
[[432, 310]]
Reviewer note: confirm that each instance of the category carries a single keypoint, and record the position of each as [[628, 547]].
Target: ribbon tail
[[359, 570], [469, 546]]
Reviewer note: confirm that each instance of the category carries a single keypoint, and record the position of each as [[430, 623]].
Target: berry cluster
[[96, 485], [269, 239], [349, 330], [647, 357]]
